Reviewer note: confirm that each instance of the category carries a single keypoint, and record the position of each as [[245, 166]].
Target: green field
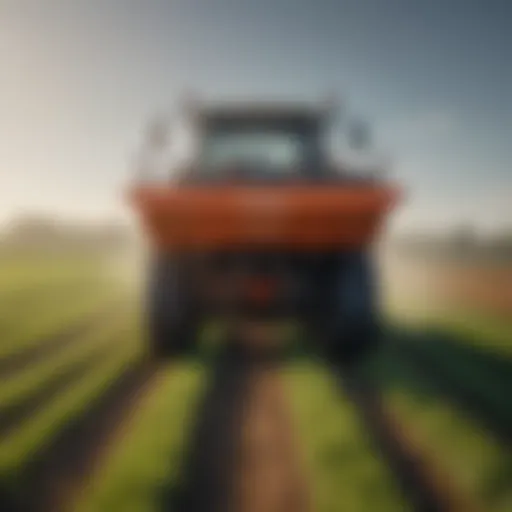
[[71, 326]]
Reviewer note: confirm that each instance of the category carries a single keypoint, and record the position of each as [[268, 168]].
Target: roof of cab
[[268, 111]]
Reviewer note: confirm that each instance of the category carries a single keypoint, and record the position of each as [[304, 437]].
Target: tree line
[[45, 232], [461, 242]]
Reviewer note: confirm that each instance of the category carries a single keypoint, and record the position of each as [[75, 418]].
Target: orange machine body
[[297, 217]]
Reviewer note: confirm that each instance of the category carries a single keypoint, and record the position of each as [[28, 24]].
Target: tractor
[[259, 226]]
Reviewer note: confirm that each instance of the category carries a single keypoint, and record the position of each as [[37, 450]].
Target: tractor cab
[[261, 143]]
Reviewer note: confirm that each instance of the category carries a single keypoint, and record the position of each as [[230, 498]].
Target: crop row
[[475, 460], [17, 308], [17, 448], [30, 389], [345, 472], [483, 331], [344, 469], [50, 320], [25, 276], [151, 450], [474, 379]]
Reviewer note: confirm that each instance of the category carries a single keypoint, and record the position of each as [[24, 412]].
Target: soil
[[268, 472]]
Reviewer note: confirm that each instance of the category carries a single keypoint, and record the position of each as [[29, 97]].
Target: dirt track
[[268, 468]]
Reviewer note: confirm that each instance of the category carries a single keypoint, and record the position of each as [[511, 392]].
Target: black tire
[[349, 320], [355, 345], [171, 316]]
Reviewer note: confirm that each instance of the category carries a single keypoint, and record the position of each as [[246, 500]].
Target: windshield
[[276, 151]]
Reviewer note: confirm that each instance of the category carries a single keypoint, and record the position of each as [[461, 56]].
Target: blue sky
[[78, 80]]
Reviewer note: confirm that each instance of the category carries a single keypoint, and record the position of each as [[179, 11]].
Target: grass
[[483, 375], [31, 272], [17, 448], [345, 473], [481, 330], [476, 463], [43, 297], [52, 319], [18, 308], [82, 347], [148, 456]]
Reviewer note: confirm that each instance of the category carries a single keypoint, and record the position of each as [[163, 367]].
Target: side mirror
[[359, 137], [157, 133], [333, 108], [155, 142]]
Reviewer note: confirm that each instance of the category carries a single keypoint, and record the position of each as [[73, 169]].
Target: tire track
[[12, 415], [426, 487], [8, 501], [241, 436], [10, 364], [495, 420], [268, 472], [29, 295], [53, 478], [207, 475]]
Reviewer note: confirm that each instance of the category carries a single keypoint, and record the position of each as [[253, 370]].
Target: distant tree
[[45, 233], [463, 238], [32, 229], [501, 244]]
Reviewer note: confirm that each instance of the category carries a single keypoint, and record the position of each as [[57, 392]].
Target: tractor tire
[[351, 322], [171, 315], [354, 345]]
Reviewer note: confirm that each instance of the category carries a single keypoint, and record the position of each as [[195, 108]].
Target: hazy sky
[[78, 79]]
